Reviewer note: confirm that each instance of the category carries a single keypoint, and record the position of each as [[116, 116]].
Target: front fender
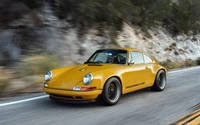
[[101, 77]]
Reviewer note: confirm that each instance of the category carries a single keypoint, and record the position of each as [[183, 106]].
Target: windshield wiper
[[91, 62]]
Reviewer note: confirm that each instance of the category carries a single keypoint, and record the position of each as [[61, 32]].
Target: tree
[[194, 16], [11, 10], [153, 11], [180, 15]]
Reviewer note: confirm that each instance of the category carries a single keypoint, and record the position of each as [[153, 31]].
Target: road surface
[[181, 96]]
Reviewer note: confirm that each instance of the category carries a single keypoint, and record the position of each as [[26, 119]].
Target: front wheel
[[111, 92], [160, 81]]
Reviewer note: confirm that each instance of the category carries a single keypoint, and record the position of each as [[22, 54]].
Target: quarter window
[[137, 58], [147, 59]]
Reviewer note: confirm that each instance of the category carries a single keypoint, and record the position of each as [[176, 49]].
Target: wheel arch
[[165, 70], [119, 81], [155, 86], [159, 71]]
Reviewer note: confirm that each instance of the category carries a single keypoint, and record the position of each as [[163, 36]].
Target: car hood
[[67, 78]]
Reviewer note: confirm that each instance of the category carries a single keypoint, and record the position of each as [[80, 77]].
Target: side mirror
[[131, 63]]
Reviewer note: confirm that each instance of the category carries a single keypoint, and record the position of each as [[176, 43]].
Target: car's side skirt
[[135, 87]]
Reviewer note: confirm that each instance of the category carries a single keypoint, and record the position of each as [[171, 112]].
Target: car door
[[149, 64], [135, 72]]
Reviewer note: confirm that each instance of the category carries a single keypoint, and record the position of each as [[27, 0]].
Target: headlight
[[87, 78], [48, 76]]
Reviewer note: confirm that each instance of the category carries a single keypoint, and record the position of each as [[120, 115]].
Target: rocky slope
[[41, 31], [163, 46]]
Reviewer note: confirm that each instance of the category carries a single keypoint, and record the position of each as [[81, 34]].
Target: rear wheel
[[160, 81], [111, 92]]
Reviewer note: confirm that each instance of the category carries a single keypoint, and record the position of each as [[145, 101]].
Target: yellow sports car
[[106, 75]]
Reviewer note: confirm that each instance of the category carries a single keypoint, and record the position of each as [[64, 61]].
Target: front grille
[[61, 96], [67, 97], [78, 97]]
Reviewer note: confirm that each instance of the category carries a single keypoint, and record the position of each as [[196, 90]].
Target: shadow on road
[[123, 99]]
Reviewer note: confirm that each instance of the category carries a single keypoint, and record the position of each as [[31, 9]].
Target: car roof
[[128, 49]]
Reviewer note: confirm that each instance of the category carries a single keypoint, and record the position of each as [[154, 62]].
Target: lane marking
[[183, 70], [24, 100], [190, 119], [44, 96]]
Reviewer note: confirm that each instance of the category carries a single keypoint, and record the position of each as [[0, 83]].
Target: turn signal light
[[86, 88]]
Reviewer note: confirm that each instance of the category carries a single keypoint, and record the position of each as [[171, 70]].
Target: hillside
[[166, 29], [36, 36]]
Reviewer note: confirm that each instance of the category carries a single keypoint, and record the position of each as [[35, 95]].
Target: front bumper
[[73, 95]]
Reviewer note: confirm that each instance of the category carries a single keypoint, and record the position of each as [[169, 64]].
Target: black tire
[[160, 81], [111, 92]]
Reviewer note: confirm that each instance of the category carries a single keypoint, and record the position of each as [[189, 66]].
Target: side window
[[147, 59], [137, 58]]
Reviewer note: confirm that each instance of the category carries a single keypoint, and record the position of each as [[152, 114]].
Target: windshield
[[109, 56]]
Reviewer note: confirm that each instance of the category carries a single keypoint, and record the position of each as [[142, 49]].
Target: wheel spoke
[[161, 80], [112, 91]]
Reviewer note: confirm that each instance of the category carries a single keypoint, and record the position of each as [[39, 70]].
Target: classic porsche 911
[[105, 76]]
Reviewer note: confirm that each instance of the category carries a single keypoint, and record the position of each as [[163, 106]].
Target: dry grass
[[27, 76], [36, 65], [182, 64], [5, 76]]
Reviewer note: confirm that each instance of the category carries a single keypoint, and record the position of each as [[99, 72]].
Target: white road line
[[24, 100], [44, 96], [183, 70]]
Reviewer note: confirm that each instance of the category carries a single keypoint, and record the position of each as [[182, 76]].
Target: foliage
[[32, 4], [38, 64], [180, 16], [11, 10], [153, 11], [84, 14], [185, 16], [172, 65], [175, 64], [5, 76], [198, 61], [190, 62], [87, 12], [194, 22]]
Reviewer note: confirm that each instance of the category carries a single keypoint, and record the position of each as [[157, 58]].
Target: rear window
[[137, 58], [147, 59]]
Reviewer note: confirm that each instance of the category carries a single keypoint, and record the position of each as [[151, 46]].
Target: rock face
[[162, 45], [42, 32], [9, 52]]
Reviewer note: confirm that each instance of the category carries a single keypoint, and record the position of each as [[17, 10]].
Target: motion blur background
[[39, 35]]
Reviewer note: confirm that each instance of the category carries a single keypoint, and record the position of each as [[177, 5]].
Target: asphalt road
[[138, 108]]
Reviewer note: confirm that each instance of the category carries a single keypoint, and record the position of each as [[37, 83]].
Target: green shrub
[[32, 4], [198, 61], [87, 13]]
